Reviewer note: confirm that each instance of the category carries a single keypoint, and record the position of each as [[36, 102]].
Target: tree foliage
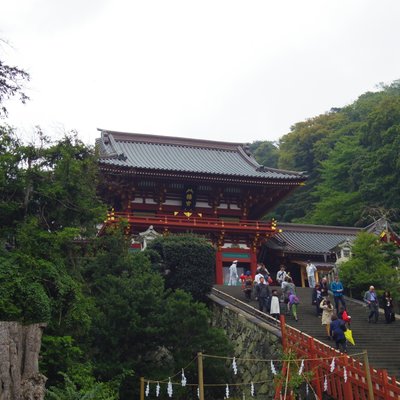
[[188, 262], [352, 160], [11, 84], [370, 264]]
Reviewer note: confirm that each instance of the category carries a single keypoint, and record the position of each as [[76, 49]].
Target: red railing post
[[283, 331], [348, 392], [315, 367], [278, 387], [385, 384]]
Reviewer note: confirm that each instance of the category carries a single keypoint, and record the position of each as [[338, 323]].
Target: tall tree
[[12, 79]]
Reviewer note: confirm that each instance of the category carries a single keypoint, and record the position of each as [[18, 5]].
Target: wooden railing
[[193, 222], [362, 383]]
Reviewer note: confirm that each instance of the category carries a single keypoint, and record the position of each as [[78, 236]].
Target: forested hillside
[[352, 158], [111, 315]]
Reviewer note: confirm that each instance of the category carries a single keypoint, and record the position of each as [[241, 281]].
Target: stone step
[[381, 340]]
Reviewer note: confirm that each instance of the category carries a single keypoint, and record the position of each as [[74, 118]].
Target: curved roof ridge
[[172, 140]]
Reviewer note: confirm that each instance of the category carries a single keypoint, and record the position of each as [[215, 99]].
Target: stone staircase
[[381, 340]]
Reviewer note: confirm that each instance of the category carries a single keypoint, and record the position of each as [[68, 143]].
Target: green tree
[[188, 262], [370, 264], [138, 326], [11, 84], [266, 153]]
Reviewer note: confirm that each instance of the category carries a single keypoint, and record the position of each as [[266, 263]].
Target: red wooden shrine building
[[215, 189]]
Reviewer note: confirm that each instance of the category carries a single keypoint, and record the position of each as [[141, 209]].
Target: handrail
[[250, 309]]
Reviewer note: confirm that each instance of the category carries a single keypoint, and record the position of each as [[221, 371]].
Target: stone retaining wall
[[251, 340]]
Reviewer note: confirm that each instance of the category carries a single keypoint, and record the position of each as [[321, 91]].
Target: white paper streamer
[[301, 367], [307, 389], [234, 366], [273, 370], [198, 392], [333, 364], [184, 381], [252, 389], [147, 389], [345, 374], [227, 391], [158, 389], [325, 384], [169, 387]]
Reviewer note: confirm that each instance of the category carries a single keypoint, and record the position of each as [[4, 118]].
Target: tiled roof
[[165, 153], [310, 239]]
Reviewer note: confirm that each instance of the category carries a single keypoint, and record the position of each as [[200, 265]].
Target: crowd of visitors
[[333, 314]]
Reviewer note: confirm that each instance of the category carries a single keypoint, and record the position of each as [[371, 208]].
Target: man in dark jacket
[[263, 295], [337, 329]]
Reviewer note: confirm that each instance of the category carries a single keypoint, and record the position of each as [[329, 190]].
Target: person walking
[[387, 302], [337, 290], [327, 313], [371, 298], [324, 287], [262, 295], [233, 275], [337, 329], [293, 303], [288, 288], [275, 310], [281, 275], [316, 299], [248, 285], [311, 269]]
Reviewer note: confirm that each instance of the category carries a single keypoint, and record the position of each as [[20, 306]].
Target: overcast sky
[[229, 70]]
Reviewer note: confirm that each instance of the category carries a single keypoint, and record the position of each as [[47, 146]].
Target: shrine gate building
[[215, 189]]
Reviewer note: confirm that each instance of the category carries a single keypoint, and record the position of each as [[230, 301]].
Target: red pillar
[[219, 276], [253, 262]]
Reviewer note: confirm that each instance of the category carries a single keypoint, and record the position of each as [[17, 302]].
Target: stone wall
[[19, 361], [252, 340]]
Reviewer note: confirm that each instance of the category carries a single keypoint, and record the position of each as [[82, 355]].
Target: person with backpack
[[337, 329], [288, 288], [248, 285]]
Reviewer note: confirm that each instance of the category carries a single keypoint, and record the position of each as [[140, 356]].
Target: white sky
[[213, 69]]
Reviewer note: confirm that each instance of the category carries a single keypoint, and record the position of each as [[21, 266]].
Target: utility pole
[[141, 388], [200, 373]]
